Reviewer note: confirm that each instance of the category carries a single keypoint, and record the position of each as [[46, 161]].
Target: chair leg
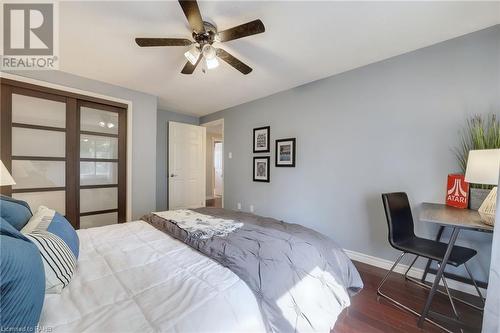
[[389, 272], [409, 267], [475, 284], [398, 304], [423, 285]]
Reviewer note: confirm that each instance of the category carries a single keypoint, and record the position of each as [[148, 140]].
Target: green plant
[[479, 133]]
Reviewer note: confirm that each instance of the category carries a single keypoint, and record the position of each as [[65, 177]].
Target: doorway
[[186, 170], [215, 163]]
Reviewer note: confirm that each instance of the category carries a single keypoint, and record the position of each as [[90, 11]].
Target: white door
[[218, 168], [186, 166]]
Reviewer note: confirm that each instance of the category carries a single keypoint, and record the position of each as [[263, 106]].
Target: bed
[[134, 277]]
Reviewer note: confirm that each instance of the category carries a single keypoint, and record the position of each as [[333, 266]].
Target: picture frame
[[286, 152], [261, 169], [262, 139]]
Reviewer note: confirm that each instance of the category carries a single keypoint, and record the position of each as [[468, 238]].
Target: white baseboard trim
[[414, 272]]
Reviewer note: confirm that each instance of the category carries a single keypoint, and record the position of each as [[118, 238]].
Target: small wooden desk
[[457, 219], [447, 216], [452, 217]]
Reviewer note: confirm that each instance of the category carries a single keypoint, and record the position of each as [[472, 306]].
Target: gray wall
[[144, 108], [163, 117], [389, 126]]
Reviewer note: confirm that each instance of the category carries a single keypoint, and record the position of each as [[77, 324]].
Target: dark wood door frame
[[63, 93], [121, 210], [6, 132]]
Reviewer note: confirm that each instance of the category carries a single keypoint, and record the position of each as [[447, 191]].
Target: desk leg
[[439, 274], [429, 261]]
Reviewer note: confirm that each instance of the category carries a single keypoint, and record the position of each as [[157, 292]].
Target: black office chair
[[402, 237]]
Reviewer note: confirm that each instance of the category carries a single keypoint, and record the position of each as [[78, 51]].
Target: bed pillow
[[62, 228], [22, 281], [58, 260], [6, 229], [16, 212], [46, 219], [40, 220]]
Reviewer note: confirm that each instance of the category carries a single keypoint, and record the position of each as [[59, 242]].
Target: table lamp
[[5, 177], [483, 168]]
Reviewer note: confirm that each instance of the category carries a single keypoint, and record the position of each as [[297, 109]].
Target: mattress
[[301, 279], [132, 277]]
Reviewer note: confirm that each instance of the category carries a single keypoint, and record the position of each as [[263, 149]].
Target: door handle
[[173, 175]]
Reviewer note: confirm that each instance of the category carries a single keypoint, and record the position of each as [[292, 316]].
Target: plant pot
[[477, 196]]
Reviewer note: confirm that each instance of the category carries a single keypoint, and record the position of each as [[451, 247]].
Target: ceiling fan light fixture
[[204, 34], [210, 55], [209, 51], [212, 63], [192, 54]]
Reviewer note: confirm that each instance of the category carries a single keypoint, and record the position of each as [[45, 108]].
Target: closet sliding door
[[102, 161], [65, 151], [38, 148]]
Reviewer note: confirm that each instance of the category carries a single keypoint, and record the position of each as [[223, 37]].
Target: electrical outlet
[[251, 209], [230, 155], [239, 205]]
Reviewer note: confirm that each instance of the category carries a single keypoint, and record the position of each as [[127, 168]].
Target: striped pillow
[[58, 260], [46, 219]]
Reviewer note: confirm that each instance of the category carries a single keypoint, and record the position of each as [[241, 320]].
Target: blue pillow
[[16, 212], [22, 281], [7, 229], [62, 228]]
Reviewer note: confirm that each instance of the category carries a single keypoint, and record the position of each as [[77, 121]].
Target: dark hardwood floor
[[215, 202], [369, 313]]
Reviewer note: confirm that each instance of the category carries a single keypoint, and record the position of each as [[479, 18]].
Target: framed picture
[[285, 152], [261, 139], [261, 169]]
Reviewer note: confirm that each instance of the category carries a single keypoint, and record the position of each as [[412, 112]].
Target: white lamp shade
[[5, 177], [212, 63], [483, 166], [192, 54]]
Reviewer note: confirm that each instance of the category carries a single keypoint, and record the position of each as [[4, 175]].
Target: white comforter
[[133, 278]]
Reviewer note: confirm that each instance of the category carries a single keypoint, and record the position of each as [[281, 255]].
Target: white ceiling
[[303, 42]]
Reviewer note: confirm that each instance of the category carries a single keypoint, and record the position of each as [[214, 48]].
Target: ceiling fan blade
[[246, 29], [189, 67], [192, 12], [145, 42], [231, 60]]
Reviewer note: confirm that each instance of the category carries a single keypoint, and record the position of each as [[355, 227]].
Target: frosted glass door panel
[[91, 221], [96, 199], [54, 200], [32, 142], [37, 174], [98, 173], [94, 120], [38, 111], [92, 146]]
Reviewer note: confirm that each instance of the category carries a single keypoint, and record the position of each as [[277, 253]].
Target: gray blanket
[[301, 278]]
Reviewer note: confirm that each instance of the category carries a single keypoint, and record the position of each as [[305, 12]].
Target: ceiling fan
[[204, 35]]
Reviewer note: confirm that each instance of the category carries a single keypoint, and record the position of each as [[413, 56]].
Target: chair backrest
[[399, 217]]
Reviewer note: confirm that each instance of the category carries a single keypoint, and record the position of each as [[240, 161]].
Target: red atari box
[[457, 193]]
